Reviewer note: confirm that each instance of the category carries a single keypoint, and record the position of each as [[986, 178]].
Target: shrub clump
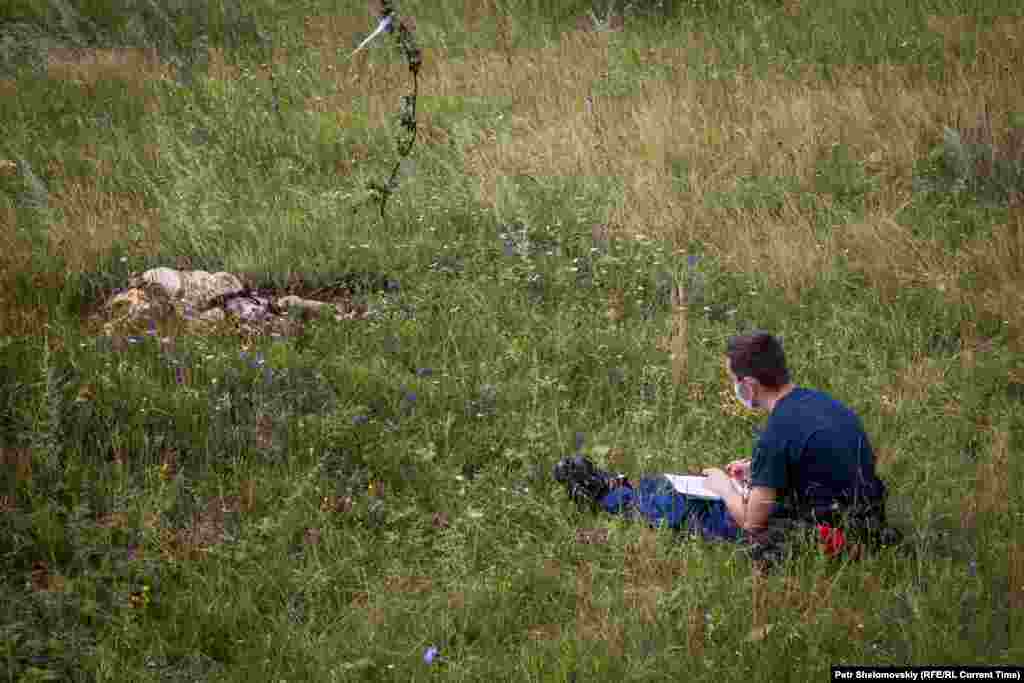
[[971, 161]]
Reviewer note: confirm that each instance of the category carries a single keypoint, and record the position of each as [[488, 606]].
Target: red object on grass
[[831, 539]]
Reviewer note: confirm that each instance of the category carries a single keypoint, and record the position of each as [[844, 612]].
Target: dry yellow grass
[[679, 343], [990, 494], [362, 600], [915, 382], [886, 115], [456, 600], [545, 633], [696, 632], [18, 460], [94, 220], [812, 605], [408, 584], [595, 623], [1015, 560], [999, 264], [771, 125], [134, 67], [616, 305], [551, 569], [646, 576], [17, 318], [760, 609], [248, 495], [91, 219]]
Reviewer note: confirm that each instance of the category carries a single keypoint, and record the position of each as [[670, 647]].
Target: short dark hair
[[758, 355]]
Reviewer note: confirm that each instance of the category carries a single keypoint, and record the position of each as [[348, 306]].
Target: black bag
[[863, 526]]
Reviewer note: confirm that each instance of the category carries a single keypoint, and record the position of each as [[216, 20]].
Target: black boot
[[584, 482]]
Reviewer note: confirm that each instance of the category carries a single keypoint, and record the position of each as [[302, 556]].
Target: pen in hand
[[738, 469]]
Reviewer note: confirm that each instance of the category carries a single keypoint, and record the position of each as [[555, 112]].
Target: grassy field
[[848, 174]]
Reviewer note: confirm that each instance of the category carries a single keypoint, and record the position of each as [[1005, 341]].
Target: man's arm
[[752, 514]]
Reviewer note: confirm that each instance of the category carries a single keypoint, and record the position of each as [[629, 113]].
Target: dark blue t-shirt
[[815, 452]]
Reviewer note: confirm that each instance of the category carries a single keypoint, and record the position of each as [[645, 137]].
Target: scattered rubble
[[197, 299]]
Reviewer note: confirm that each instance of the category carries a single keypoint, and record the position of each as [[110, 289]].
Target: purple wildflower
[[692, 260], [254, 362], [179, 375], [152, 328], [408, 402], [360, 420], [431, 654]]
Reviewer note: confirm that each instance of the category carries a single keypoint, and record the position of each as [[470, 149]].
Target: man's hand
[[718, 482], [751, 514], [739, 469]]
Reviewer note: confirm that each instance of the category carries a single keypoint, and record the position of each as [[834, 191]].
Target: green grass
[[455, 397]]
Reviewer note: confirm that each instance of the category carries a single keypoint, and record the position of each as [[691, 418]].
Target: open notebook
[[694, 486]]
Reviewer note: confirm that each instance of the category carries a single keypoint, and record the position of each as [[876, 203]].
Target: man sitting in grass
[[812, 468]]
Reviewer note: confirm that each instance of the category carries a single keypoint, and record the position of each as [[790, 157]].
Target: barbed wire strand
[[381, 192]]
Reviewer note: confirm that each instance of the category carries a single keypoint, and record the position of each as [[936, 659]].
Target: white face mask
[[749, 403]]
